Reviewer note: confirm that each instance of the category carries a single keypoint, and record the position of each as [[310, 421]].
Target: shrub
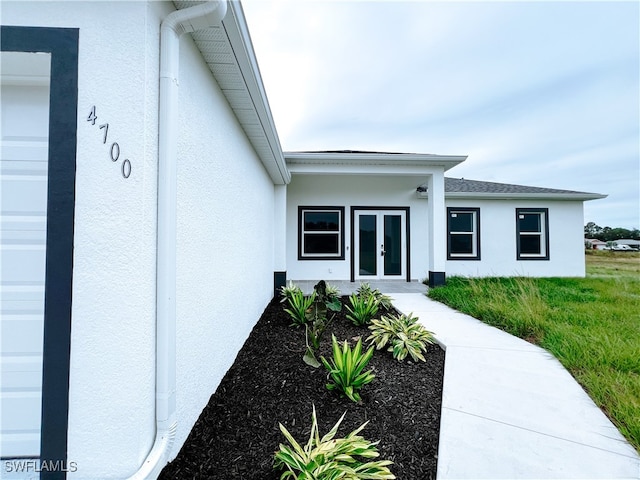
[[346, 368], [362, 309], [365, 290], [288, 291], [403, 335], [299, 304], [324, 300], [329, 458], [332, 291]]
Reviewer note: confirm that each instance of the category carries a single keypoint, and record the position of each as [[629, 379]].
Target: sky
[[535, 93]]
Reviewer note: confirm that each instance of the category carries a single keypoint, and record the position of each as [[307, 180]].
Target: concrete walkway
[[511, 411]]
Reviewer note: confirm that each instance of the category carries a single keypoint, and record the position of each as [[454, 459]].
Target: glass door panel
[[380, 244], [392, 245], [368, 240]]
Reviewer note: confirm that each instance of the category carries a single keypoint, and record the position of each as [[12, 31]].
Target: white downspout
[[176, 24]]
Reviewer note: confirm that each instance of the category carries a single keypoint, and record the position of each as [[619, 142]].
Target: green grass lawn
[[592, 325]]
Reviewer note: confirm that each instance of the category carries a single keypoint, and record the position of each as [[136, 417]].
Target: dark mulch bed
[[237, 433]]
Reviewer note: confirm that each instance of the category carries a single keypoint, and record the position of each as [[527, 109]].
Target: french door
[[380, 244]]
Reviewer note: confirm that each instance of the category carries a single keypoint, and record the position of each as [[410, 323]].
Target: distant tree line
[[608, 234]]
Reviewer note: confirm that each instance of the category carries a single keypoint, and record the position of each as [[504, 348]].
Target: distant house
[[596, 244], [145, 192], [635, 244]]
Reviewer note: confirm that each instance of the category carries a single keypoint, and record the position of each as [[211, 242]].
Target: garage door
[[23, 170]]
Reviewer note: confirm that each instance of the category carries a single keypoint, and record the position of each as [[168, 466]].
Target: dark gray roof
[[464, 187]]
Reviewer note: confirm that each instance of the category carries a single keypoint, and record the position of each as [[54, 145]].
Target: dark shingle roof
[[462, 186]]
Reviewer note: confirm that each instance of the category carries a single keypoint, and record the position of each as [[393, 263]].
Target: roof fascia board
[[237, 31], [325, 162], [351, 169], [525, 196]]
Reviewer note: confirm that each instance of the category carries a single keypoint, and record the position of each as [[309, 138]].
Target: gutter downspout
[[176, 24]]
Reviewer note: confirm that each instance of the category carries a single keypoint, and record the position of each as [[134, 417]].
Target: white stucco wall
[[225, 236], [498, 240], [347, 191], [497, 228]]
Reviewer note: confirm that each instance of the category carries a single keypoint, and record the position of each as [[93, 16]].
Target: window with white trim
[[532, 231], [321, 233], [463, 233]]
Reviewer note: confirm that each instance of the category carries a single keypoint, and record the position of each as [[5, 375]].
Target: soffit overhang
[[370, 163], [229, 54]]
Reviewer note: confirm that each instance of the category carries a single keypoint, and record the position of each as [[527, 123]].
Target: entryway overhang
[[419, 170], [349, 162]]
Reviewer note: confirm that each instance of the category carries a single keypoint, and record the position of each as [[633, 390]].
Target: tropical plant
[[323, 301], [363, 308], [299, 304], [346, 368], [317, 320], [403, 335], [365, 290], [330, 458], [333, 291], [287, 291]]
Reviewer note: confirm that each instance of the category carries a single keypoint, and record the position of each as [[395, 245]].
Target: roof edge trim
[[237, 31], [525, 196]]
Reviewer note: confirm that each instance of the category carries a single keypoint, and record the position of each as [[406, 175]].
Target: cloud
[[540, 93]]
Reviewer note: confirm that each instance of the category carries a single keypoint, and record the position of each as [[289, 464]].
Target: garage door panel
[[24, 237], [15, 444], [23, 156], [21, 334], [24, 150], [17, 293], [23, 264], [23, 194], [21, 111], [22, 372], [23, 223], [27, 402]]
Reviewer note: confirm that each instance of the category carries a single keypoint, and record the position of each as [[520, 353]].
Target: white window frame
[[475, 233], [302, 233]]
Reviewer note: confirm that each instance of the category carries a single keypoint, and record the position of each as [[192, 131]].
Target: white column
[[437, 229]]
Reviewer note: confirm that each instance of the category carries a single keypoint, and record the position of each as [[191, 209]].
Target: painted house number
[[114, 150]]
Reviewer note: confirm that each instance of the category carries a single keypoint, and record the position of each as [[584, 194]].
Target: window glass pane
[[462, 244], [368, 241], [530, 244], [315, 243], [392, 245], [461, 222], [529, 222], [322, 221]]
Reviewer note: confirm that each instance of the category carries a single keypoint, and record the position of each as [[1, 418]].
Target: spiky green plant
[[346, 368], [332, 291], [403, 335], [365, 290], [363, 308], [327, 458], [287, 291], [299, 304]]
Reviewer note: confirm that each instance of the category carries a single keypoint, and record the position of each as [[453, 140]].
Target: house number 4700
[[114, 150]]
